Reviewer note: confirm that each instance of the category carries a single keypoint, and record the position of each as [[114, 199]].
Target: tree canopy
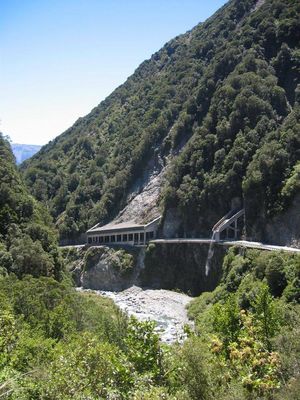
[[28, 241], [220, 102]]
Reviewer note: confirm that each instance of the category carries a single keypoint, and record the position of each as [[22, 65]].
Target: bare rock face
[[104, 268], [258, 4], [143, 206], [171, 223], [160, 266], [285, 229], [182, 266]]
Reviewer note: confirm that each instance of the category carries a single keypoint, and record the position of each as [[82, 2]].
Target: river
[[165, 307]]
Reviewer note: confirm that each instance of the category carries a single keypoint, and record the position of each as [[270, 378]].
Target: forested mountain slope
[[216, 111], [28, 243]]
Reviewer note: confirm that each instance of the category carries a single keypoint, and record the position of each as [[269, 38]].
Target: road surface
[[242, 243]]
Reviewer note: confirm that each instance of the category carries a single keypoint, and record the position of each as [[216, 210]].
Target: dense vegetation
[[247, 142], [223, 102], [226, 92], [28, 242], [57, 343], [248, 328]]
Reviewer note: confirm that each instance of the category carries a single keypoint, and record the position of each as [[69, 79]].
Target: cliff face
[[104, 268], [182, 267], [212, 117], [161, 266], [284, 229]]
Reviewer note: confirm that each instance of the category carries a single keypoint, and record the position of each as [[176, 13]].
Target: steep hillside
[[28, 244], [211, 120]]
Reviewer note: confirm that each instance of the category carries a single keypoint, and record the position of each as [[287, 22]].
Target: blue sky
[[60, 58]]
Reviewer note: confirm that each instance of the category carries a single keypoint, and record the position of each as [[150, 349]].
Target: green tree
[[30, 258], [143, 348], [267, 315]]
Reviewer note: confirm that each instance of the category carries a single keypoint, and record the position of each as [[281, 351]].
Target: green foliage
[[291, 392], [292, 184], [28, 257], [222, 102], [226, 321], [287, 343], [87, 368], [143, 349], [199, 304], [56, 310], [8, 336], [57, 343], [25, 227], [218, 101], [247, 338], [240, 353], [193, 372], [49, 333], [267, 315], [154, 393], [275, 275], [121, 260], [245, 273]]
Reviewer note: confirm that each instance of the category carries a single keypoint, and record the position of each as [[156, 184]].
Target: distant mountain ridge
[[24, 151]]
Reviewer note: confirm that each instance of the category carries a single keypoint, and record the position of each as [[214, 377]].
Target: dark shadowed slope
[[28, 244]]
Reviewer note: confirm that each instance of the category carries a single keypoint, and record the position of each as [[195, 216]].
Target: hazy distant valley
[[24, 151]]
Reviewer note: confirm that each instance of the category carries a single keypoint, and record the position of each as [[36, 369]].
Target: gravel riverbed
[[166, 308]]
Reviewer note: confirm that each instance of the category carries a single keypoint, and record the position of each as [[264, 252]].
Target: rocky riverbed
[[166, 308]]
